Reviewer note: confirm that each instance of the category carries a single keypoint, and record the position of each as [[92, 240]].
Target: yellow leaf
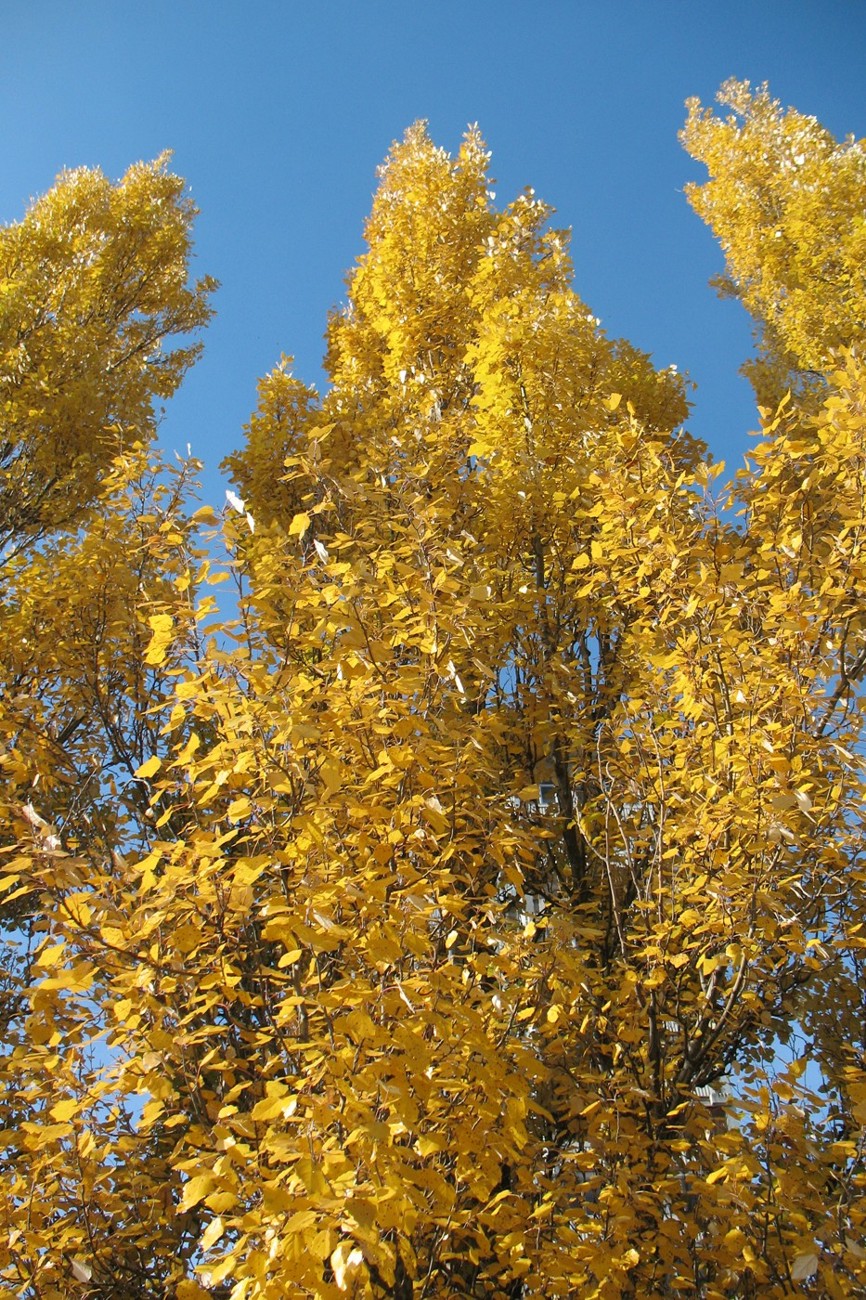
[[50, 956], [345, 1261], [189, 748], [289, 957], [188, 1289], [186, 938], [196, 1190], [300, 523], [271, 1108], [211, 1234], [64, 1110], [162, 626], [300, 1221], [206, 515], [150, 767], [221, 1202], [331, 772]]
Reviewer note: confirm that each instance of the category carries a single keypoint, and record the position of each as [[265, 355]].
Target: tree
[[94, 303], [785, 201], [462, 918]]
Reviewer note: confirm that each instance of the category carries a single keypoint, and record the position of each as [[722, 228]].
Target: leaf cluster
[[477, 910]]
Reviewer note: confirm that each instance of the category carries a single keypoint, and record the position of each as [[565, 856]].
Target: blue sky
[[279, 113]]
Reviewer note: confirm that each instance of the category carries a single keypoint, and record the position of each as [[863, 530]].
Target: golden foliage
[[478, 912], [92, 288], [785, 201]]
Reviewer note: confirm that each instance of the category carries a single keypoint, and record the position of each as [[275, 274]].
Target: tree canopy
[[476, 908]]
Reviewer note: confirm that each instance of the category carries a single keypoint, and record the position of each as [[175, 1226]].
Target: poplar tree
[[479, 911]]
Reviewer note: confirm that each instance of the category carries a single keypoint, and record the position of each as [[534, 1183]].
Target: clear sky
[[279, 112]]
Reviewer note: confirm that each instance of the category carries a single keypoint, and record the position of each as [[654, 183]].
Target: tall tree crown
[[785, 200], [475, 912], [93, 300]]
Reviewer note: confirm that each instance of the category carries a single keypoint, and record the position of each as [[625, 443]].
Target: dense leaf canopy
[[476, 909]]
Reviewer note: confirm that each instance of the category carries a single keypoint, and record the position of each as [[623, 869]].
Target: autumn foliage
[[476, 911]]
